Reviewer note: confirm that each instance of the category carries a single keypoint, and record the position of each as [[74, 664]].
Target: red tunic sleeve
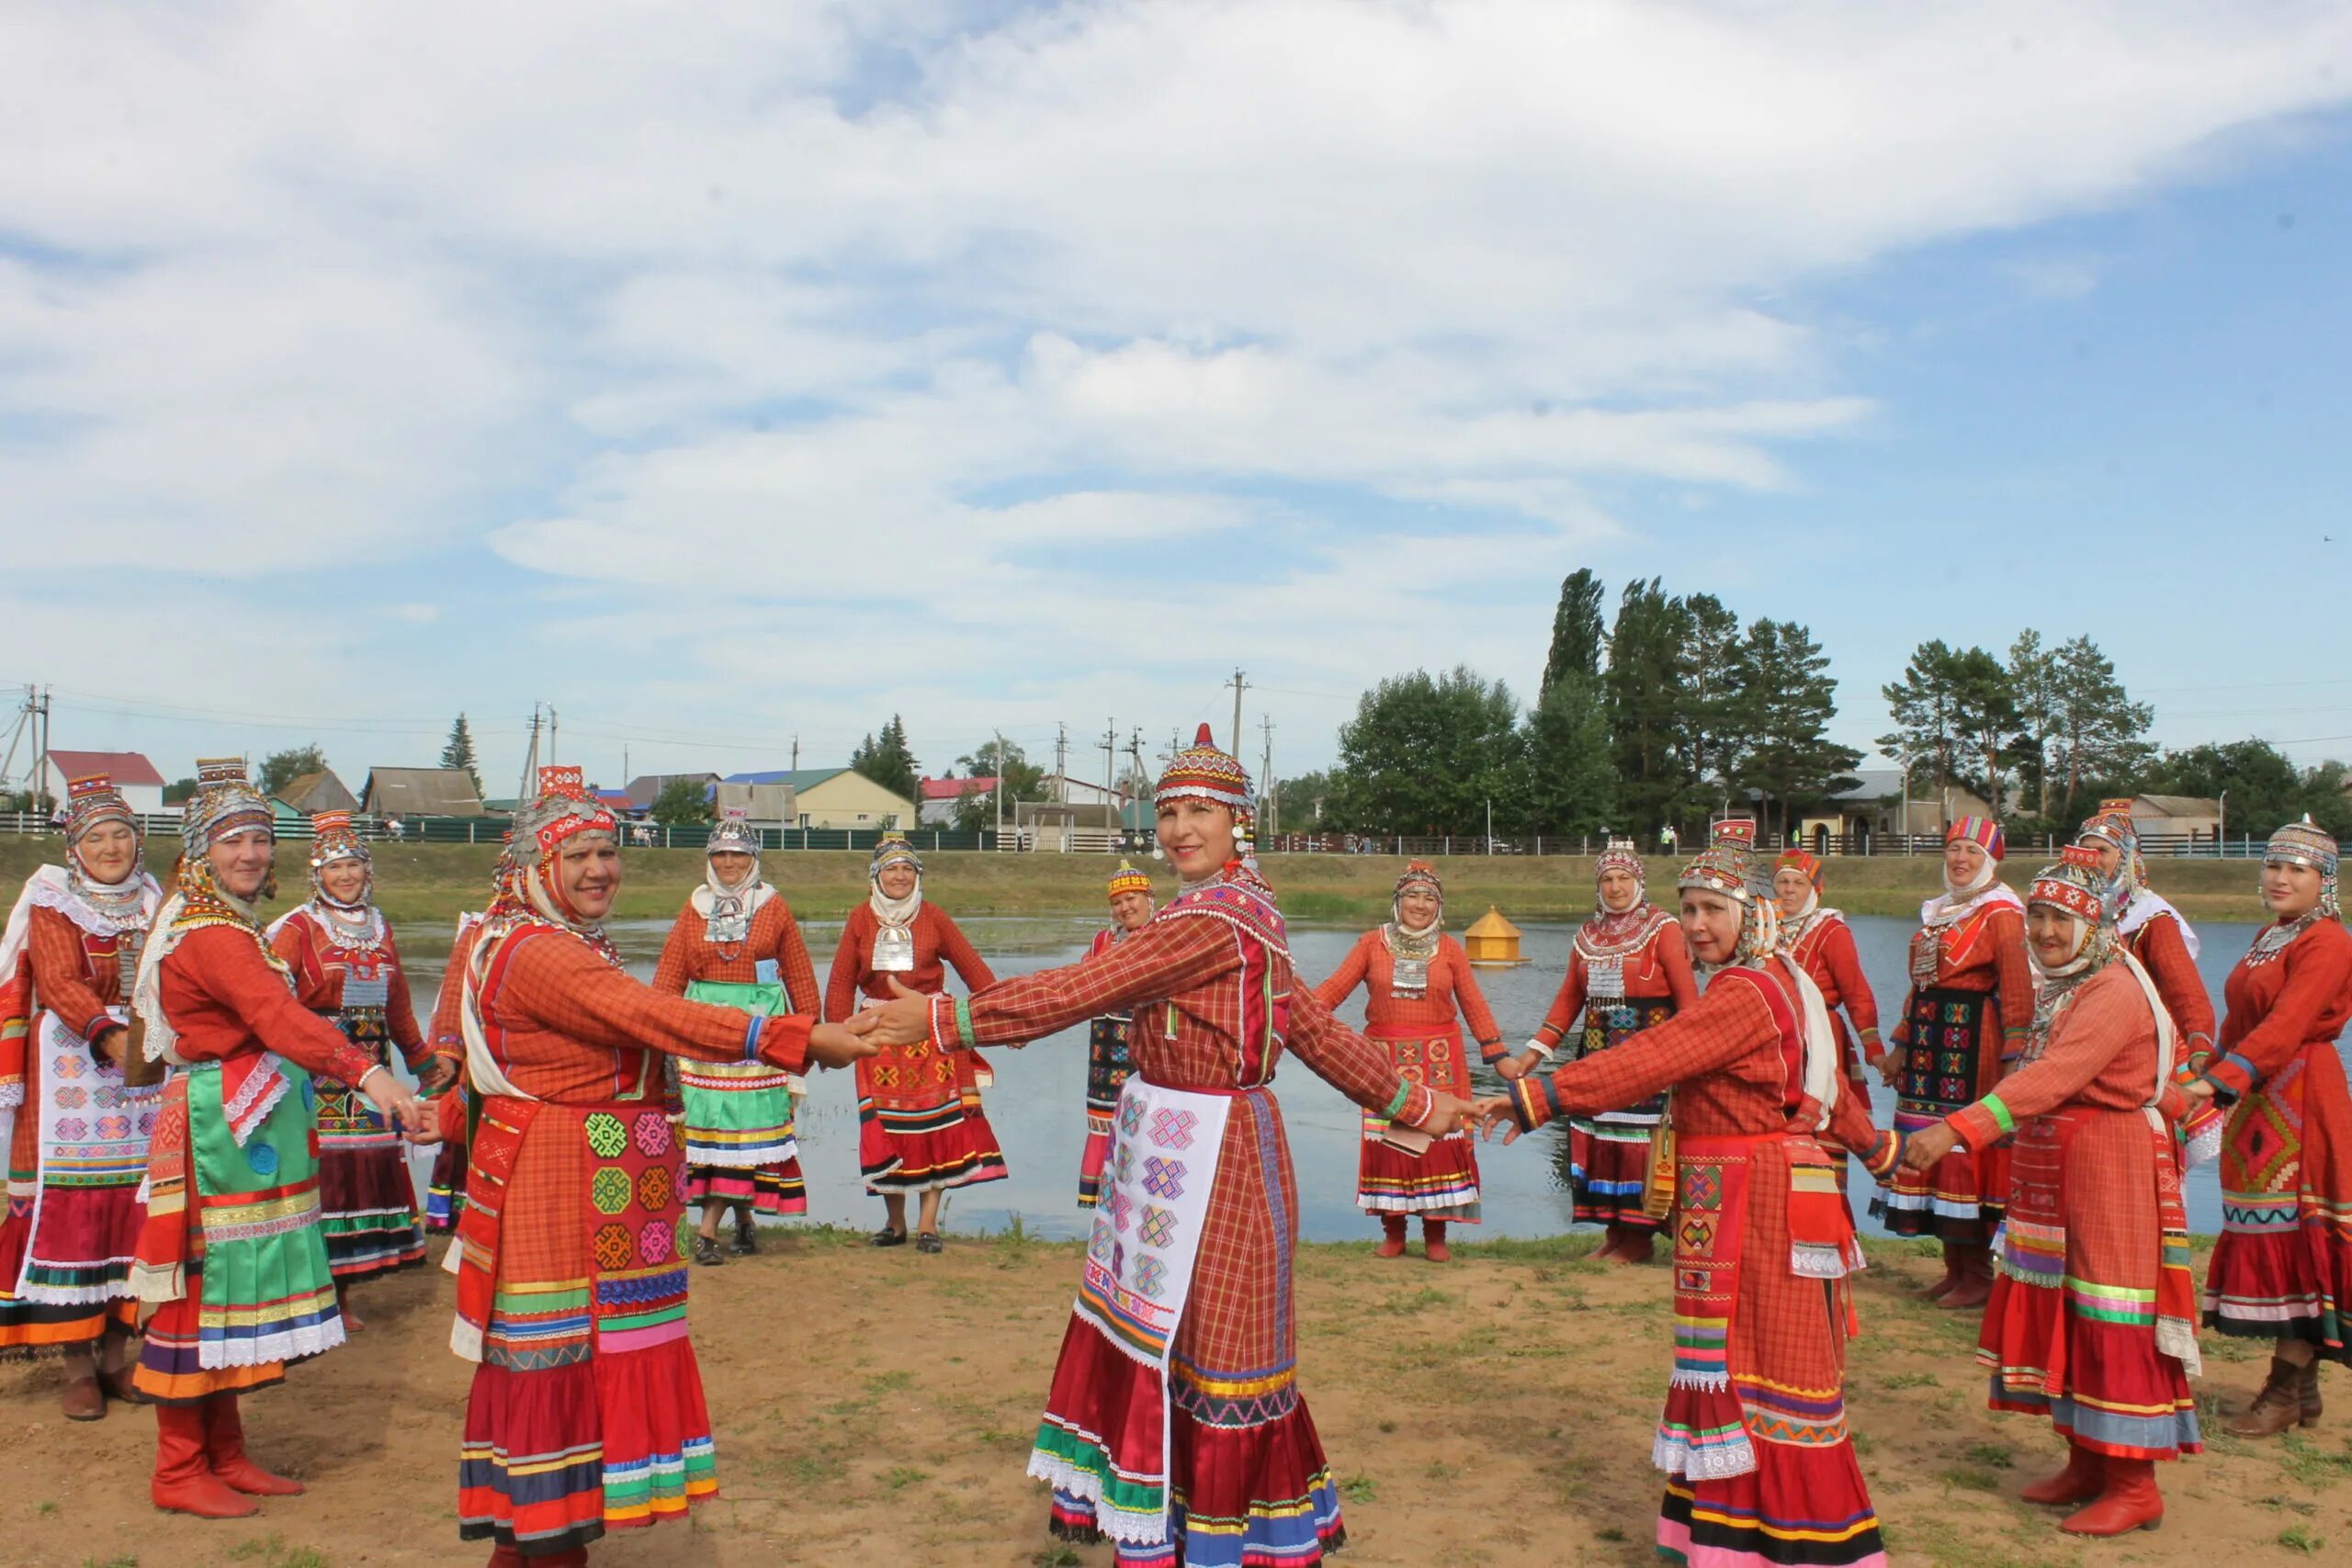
[[2005, 929], [1483, 1030], [793, 963], [293, 941], [2318, 966], [1564, 1006], [1360, 1068], [2165, 954], [564, 986], [1727, 1024], [2109, 1015], [958, 953], [849, 965], [1349, 974], [1674, 958], [671, 971], [226, 965], [1845, 965], [1164, 958], [60, 974], [400, 1008], [449, 1034]]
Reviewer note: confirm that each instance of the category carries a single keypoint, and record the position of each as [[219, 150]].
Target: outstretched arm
[[1165, 957], [2005, 929], [53, 949], [564, 986], [955, 950], [1354, 1066], [1484, 1030], [2317, 970], [1725, 1025]]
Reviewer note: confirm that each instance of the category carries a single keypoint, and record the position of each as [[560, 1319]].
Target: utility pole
[[530, 762], [551, 751], [1233, 737], [1266, 775], [796, 753], [999, 788], [41, 754], [1111, 770], [1061, 763]]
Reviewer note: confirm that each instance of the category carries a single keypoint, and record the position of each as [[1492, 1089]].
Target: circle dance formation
[[209, 1153]]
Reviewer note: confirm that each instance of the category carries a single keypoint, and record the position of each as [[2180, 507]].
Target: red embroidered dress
[[1753, 1440], [920, 1124], [77, 1149], [1822, 944], [1626, 972], [1964, 1021], [367, 1196], [2092, 1320], [2282, 1266], [229, 1324], [1218, 1464], [586, 1412], [1422, 1030], [2161, 941], [772, 953]]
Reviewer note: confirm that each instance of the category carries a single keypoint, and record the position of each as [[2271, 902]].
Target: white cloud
[[796, 310]]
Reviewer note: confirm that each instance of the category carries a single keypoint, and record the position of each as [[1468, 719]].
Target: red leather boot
[[183, 1482], [1433, 1245], [1638, 1246], [1392, 1236], [1975, 1283], [2078, 1483], [2129, 1502], [1952, 1275], [224, 1446]]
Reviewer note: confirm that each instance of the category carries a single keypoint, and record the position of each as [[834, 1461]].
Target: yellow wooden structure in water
[[1492, 941]]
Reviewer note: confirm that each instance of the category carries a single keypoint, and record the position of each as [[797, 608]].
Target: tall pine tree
[[458, 752], [887, 760], [1577, 640]]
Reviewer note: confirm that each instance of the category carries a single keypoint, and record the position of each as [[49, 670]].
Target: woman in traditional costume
[[919, 1125], [2093, 1320], [1964, 1025], [2282, 1267], [445, 1189], [1629, 970], [2164, 942], [76, 1134], [1107, 1063], [736, 944], [1753, 1441], [1819, 940], [1175, 1426], [347, 969], [586, 1412], [1421, 988], [232, 1255]]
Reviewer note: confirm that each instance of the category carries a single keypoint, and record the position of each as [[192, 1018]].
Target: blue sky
[[1012, 365]]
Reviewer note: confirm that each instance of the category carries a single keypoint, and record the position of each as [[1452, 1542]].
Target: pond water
[[1038, 1105]]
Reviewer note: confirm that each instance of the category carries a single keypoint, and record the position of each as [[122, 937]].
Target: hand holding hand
[[1512, 1067], [1448, 1113], [2201, 1091], [903, 1020], [838, 1044], [437, 1075], [1923, 1149], [1494, 1112], [1890, 1067], [397, 1104], [113, 1043]]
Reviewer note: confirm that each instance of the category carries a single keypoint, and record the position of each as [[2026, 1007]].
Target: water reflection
[[1038, 1105]]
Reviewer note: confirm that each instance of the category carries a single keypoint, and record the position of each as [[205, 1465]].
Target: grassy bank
[[430, 882]]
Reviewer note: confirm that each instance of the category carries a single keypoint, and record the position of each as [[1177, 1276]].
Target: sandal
[[930, 1242], [885, 1237], [706, 1251]]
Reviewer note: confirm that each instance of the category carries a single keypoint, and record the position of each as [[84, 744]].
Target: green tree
[[887, 760], [685, 799], [2033, 680], [1571, 779], [178, 791], [1641, 687], [1426, 755], [1786, 698], [1953, 711], [1709, 724], [1577, 640], [458, 751], [282, 768], [2098, 732], [1024, 780], [1299, 802], [2264, 788]]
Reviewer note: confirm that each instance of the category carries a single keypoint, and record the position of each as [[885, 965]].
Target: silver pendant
[[1411, 977], [1605, 978], [894, 950]]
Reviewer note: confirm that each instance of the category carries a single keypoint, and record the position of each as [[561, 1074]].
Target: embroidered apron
[[267, 1293], [738, 1114], [94, 1131]]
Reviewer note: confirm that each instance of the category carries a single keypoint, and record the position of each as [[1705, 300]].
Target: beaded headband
[[224, 807], [734, 835], [331, 838], [1618, 854], [91, 800], [563, 810], [891, 848], [1727, 864], [2111, 824], [1800, 860], [1127, 879], [2302, 843], [2075, 883]]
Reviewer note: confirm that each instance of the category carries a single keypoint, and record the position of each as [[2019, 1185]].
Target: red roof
[[122, 767], [954, 789]]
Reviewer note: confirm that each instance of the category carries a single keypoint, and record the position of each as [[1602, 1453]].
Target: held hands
[[114, 1044], [397, 1104], [904, 1019], [1448, 1113], [437, 1075], [1515, 1066], [1922, 1149], [2199, 1091], [1493, 1113], [1890, 1067], [838, 1044]]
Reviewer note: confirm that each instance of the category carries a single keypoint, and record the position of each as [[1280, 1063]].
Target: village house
[[141, 786], [421, 792], [836, 797], [941, 798]]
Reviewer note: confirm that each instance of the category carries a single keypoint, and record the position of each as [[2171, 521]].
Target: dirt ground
[[875, 1408]]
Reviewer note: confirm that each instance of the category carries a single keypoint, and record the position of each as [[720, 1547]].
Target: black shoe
[[747, 1239], [706, 1251], [928, 1242], [885, 1237]]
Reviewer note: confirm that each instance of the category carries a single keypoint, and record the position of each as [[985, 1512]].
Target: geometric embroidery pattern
[[1698, 1233], [1164, 1178], [1172, 1128], [1130, 1116], [606, 1135], [653, 1134], [1702, 1187], [1150, 1277], [655, 1188], [1158, 1226], [610, 1190], [615, 1247]]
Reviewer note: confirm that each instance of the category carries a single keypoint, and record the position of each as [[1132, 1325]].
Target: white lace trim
[[1119, 1524], [285, 1345], [1718, 1462]]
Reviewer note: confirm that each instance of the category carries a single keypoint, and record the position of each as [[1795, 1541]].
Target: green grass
[[898, 1478], [1970, 1478], [2310, 1465], [1899, 1381], [1416, 1300], [1992, 1456], [2295, 1538], [1359, 1488]]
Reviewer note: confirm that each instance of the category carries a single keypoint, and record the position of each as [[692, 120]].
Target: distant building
[[836, 797], [133, 774], [942, 796], [646, 788], [313, 793], [2175, 816], [421, 792], [1875, 809]]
